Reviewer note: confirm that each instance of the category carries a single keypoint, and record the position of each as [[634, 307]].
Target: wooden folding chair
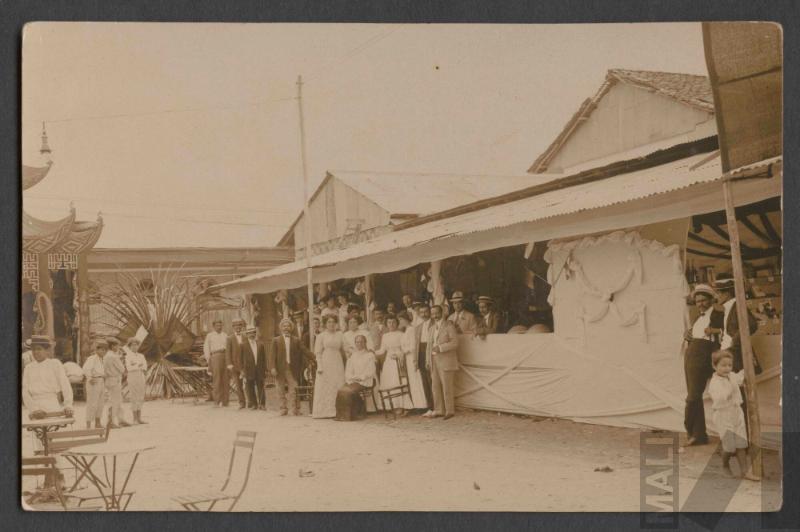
[[68, 439], [390, 394], [46, 466], [246, 440], [304, 391], [367, 394]]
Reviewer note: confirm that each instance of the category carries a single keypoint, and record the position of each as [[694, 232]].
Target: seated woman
[[358, 375]]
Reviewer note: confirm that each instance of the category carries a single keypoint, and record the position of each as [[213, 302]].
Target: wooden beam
[[744, 333]]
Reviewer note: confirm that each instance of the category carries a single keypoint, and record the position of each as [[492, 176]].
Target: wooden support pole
[[306, 220], [84, 317], [368, 297], [753, 418]]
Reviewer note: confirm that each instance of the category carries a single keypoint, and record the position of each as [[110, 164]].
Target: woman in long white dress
[[392, 348], [330, 368], [410, 345]]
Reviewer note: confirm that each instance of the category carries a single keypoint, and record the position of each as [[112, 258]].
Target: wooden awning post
[[753, 418], [368, 297]]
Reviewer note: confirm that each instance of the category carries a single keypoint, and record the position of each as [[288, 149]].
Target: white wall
[[628, 117], [330, 209]]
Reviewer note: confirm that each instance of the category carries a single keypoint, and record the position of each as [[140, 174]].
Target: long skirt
[[390, 378], [349, 404], [327, 384], [415, 384], [136, 389]]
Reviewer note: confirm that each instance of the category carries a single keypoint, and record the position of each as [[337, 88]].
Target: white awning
[[678, 189]]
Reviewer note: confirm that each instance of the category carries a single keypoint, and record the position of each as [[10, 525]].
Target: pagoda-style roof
[[61, 236], [33, 174]]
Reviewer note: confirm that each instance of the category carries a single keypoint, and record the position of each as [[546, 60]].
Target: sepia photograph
[[339, 267]]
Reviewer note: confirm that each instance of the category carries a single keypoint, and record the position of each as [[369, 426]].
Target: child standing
[[728, 416]]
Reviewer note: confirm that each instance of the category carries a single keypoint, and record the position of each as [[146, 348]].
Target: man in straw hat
[[729, 332], [43, 379], [726, 297], [286, 361], [215, 351], [703, 339], [463, 319], [442, 362], [489, 321], [95, 372], [235, 343]]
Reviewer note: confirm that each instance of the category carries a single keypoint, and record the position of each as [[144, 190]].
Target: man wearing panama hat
[[43, 379], [703, 339], [463, 319], [489, 321]]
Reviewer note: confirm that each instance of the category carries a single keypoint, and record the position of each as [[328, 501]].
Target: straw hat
[[40, 340], [704, 289], [457, 296], [485, 299]]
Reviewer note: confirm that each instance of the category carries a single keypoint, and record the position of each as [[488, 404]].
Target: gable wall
[[626, 118], [330, 209]]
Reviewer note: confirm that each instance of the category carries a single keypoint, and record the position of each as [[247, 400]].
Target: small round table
[[41, 427], [111, 491]]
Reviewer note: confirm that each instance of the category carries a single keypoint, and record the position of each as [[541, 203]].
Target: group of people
[[713, 358], [411, 348], [47, 383]]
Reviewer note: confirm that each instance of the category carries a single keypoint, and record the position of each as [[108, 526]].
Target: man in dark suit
[[489, 321], [235, 342], [253, 370], [300, 325], [286, 361], [730, 333]]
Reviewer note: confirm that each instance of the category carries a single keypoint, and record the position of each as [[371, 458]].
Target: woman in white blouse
[[136, 366], [358, 375], [349, 336], [394, 362], [410, 346]]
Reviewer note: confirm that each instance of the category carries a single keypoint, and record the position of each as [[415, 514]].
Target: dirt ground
[[477, 461]]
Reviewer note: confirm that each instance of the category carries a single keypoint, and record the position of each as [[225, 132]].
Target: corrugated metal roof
[[674, 176], [433, 192]]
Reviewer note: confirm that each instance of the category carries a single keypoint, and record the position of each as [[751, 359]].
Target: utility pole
[[306, 219]]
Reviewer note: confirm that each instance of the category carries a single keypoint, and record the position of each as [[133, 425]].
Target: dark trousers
[[254, 388], [426, 374], [697, 369], [238, 382]]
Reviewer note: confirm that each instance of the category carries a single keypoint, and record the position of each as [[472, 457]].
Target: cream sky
[[187, 134]]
